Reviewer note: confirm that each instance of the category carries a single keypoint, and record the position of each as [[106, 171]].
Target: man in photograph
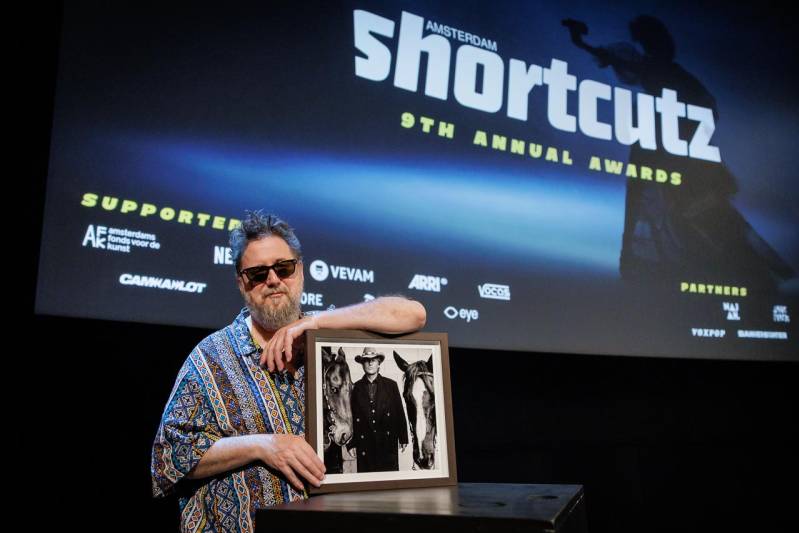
[[231, 435], [379, 422]]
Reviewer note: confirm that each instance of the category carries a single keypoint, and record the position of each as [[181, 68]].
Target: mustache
[[276, 291]]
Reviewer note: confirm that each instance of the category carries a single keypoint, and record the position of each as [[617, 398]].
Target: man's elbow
[[418, 314]]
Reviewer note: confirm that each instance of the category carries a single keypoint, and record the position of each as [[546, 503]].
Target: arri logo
[[421, 282], [464, 314], [494, 291], [320, 272]]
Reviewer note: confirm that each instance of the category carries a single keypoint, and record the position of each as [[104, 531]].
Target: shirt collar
[[244, 344]]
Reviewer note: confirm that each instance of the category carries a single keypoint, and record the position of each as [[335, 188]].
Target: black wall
[[660, 444]]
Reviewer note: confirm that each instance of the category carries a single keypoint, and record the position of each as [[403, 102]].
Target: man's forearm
[[388, 314], [228, 453], [290, 454]]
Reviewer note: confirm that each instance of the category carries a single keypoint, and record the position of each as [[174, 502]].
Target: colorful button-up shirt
[[221, 391]]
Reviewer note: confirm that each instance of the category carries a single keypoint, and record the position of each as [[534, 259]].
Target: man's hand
[[402, 448], [293, 456], [280, 347]]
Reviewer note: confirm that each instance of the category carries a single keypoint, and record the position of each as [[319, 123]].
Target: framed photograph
[[379, 409]]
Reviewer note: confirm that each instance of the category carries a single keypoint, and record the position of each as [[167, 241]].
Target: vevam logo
[[494, 291], [167, 284], [421, 282], [464, 314], [320, 272]]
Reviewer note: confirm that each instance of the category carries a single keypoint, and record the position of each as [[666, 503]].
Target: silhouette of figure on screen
[[690, 230]]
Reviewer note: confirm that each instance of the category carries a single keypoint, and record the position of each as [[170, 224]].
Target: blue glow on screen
[[546, 217]]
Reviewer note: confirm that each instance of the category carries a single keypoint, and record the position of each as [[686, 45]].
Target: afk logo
[[464, 314], [494, 291], [421, 282], [119, 239], [320, 272], [95, 236]]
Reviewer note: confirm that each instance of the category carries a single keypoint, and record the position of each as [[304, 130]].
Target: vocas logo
[[427, 283], [494, 291], [320, 271]]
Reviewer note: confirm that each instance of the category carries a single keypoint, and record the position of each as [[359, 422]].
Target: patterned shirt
[[221, 391]]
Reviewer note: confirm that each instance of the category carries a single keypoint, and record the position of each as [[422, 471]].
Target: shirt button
[[363, 453]]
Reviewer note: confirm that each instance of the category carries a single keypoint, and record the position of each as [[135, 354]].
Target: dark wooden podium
[[467, 507]]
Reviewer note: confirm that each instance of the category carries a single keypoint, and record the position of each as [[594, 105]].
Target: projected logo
[[494, 292], [223, 255], [732, 310], [320, 271], [313, 299], [780, 314], [420, 282], [166, 284], [120, 240], [710, 333], [463, 314]]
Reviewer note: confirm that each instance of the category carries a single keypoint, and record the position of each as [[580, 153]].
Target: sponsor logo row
[[124, 240], [321, 271]]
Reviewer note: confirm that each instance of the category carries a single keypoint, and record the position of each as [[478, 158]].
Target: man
[[378, 418], [230, 439]]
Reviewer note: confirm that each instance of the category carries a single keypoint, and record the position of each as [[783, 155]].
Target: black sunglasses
[[258, 274]]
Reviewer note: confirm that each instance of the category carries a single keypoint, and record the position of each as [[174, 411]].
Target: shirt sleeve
[[188, 429]]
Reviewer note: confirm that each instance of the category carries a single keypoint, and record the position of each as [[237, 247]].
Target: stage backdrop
[[563, 177]]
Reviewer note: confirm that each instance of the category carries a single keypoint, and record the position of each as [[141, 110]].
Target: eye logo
[[464, 314]]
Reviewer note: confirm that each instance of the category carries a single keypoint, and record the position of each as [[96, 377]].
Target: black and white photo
[[379, 410]]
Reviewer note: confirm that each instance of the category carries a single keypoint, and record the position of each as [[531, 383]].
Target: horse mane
[[411, 374]]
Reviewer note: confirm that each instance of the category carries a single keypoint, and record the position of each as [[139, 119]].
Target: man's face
[[275, 302], [371, 366]]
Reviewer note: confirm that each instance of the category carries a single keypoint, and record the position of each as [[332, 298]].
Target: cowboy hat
[[369, 353]]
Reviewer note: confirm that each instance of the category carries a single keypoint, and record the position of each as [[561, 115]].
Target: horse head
[[336, 388], [420, 400]]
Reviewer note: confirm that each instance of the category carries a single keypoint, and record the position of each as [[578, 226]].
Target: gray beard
[[273, 319]]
